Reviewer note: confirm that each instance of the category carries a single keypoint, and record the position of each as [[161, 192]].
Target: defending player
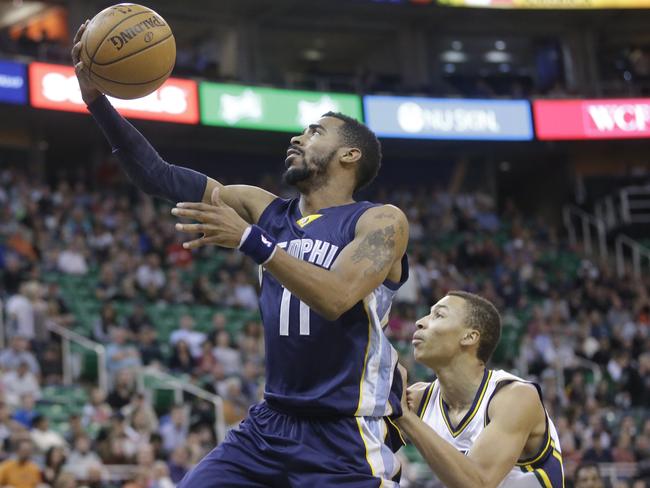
[[330, 269], [476, 427]]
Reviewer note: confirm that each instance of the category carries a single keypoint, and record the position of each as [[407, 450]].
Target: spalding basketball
[[128, 50]]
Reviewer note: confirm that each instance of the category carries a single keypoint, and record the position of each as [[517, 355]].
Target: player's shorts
[[274, 449]]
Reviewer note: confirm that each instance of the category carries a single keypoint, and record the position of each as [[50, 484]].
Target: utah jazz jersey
[[314, 366], [544, 469]]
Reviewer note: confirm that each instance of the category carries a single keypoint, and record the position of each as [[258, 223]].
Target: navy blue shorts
[[274, 449]]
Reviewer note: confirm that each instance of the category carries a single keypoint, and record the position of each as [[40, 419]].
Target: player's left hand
[[219, 223]]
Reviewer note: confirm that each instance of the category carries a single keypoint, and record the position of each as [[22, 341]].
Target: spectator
[[207, 360], [245, 294], [18, 353], [25, 414], [18, 382], [119, 354], [160, 476], [123, 391], [21, 312], [82, 459], [54, 461], [149, 346], [226, 354], [72, 260], [104, 324], [174, 432], [218, 324], [588, 476], [21, 472], [97, 411], [191, 337], [178, 463], [181, 360], [138, 319], [43, 437], [150, 277]]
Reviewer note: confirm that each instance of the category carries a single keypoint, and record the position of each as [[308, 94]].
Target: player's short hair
[[482, 315], [355, 134]]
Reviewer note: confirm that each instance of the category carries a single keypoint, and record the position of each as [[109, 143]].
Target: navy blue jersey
[[316, 366]]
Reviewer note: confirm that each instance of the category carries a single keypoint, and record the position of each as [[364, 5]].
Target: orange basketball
[[129, 50]]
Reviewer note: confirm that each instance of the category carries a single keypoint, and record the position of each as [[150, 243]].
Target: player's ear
[[471, 337], [350, 155]]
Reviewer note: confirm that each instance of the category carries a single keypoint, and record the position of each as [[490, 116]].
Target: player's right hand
[[89, 91]]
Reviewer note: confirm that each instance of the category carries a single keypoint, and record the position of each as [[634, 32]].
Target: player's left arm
[[514, 412], [381, 238]]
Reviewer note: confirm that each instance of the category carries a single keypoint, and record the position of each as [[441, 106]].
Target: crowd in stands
[[569, 323]]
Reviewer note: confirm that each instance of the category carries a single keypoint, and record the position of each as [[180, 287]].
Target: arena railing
[[625, 245], [165, 381], [592, 229], [69, 369]]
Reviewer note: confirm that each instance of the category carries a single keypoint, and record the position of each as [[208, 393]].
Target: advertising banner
[[55, 87], [433, 118], [248, 107], [13, 82], [592, 119], [548, 4]]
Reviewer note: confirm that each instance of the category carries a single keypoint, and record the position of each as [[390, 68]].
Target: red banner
[[55, 87], [592, 119]]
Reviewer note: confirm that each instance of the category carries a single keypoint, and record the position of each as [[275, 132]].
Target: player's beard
[[309, 177]]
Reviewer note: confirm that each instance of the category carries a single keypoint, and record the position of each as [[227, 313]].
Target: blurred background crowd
[[106, 262]]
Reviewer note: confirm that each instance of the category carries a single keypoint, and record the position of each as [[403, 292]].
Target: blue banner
[[13, 82], [443, 118]]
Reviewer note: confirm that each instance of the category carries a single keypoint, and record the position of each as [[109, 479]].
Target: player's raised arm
[[142, 163], [514, 412]]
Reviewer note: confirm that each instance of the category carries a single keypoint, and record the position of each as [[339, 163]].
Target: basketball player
[[476, 427], [330, 267]]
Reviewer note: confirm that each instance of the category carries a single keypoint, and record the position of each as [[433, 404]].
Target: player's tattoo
[[378, 247]]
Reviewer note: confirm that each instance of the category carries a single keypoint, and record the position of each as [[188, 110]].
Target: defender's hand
[[219, 223], [89, 91]]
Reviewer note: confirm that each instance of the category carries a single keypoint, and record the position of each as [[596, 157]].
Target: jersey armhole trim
[[424, 401], [546, 446]]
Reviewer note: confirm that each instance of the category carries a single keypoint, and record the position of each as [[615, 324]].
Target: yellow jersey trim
[[365, 445], [303, 222], [468, 417], [426, 399], [365, 358], [399, 431], [542, 453]]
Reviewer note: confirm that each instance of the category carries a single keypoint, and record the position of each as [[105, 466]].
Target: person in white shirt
[[81, 460], [43, 437], [476, 427], [21, 309], [150, 275], [18, 382], [193, 338], [73, 260]]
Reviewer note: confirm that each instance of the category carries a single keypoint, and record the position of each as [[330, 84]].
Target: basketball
[[129, 50]]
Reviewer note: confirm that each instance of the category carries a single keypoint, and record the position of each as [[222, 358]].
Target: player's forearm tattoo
[[378, 247]]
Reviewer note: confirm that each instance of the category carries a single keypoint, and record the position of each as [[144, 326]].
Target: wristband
[[258, 245]]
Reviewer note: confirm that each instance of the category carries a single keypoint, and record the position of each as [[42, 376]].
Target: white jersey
[[544, 469]]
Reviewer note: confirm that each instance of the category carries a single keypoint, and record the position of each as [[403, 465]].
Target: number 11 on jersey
[[285, 307]]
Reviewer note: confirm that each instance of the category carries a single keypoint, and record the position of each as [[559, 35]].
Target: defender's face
[[437, 338], [310, 153]]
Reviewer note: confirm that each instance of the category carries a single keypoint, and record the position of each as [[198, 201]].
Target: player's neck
[[324, 197], [459, 382]]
